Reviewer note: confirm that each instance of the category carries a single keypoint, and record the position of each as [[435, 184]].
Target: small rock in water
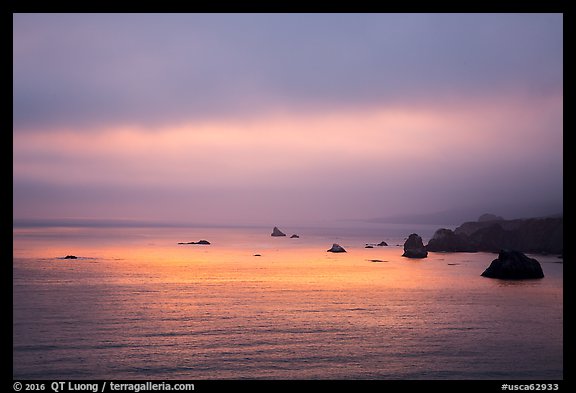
[[369, 246], [257, 255], [336, 248], [382, 244], [277, 232], [294, 236], [204, 242], [70, 257]]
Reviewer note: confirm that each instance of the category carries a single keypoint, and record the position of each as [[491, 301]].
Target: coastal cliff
[[531, 235]]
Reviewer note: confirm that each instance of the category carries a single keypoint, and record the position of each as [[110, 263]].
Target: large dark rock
[[277, 232], [336, 248], [513, 265], [414, 248], [447, 240]]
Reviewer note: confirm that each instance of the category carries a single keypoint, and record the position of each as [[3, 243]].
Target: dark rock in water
[[381, 244], [414, 248], [257, 255], [447, 240], [369, 246], [294, 236], [205, 242], [277, 232], [70, 257], [489, 217], [513, 265], [416, 254], [336, 248]]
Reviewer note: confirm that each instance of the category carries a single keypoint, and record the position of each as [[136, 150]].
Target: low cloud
[[102, 69]]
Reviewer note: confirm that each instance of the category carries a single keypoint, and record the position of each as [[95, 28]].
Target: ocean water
[[136, 305]]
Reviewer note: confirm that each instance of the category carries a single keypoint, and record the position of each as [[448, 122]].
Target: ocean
[[137, 305]]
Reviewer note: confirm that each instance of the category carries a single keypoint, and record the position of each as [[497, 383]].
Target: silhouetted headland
[[532, 235], [490, 217], [446, 240]]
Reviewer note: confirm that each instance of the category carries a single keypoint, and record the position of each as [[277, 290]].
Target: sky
[[286, 118]]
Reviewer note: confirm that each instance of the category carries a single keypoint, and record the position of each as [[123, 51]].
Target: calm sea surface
[[136, 305]]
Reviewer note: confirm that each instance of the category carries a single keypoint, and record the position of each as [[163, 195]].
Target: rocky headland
[[530, 235]]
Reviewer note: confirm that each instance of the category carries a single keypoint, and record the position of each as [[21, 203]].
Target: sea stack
[[336, 248], [277, 232], [513, 265], [414, 248]]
